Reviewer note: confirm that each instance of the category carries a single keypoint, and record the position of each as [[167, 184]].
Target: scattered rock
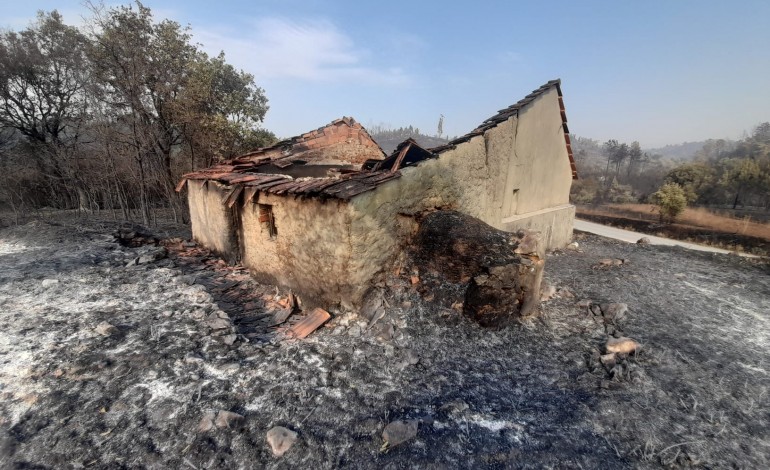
[[608, 360], [455, 406], [596, 309], [106, 329], [355, 331], [229, 420], [622, 345], [281, 440], [218, 324], [152, 256], [585, 303], [207, 422], [614, 311], [373, 305], [574, 246], [643, 241], [229, 339], [49, 282], [383, 331], [398, 432], [565, 293]]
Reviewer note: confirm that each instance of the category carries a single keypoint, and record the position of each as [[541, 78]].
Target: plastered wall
[[517, 168], [213, 224], [310, 252]]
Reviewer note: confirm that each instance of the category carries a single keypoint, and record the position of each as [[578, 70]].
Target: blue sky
[[660, 72]]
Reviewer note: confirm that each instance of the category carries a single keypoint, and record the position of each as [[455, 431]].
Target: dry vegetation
[[748, 234], [693, 216]]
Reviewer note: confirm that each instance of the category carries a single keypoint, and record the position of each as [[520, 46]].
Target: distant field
[[695, 224]]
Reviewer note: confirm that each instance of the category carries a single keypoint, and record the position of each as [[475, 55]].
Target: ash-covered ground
[[145, 389]]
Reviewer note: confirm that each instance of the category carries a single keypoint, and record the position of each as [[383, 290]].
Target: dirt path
[[531, 396], [632, 237]]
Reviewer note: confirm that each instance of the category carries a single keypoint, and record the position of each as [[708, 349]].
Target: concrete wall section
[[213, 224], [554, 224]]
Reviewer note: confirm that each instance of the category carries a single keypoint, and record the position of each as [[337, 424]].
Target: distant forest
[[389, 138], [717, 172]]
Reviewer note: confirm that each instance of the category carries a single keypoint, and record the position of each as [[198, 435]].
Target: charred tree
[[495, 274]]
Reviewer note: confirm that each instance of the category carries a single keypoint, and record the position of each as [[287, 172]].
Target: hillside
[[388, 139], [683, 151]]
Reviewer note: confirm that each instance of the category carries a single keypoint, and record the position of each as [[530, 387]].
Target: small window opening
[[267, 220]]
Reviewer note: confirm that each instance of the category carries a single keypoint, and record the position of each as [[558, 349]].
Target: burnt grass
[[530, 395], [727, 240]]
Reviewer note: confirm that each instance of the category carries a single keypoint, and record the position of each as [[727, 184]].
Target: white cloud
[[311, 50]]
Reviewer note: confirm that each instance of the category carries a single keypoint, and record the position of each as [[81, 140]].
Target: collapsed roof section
[[342, 142], [300, 166]]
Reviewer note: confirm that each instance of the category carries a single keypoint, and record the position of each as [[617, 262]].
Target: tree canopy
[[112, 114]]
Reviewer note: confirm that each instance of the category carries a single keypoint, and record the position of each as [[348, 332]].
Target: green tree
[[743, 177], [694, 178], [671, 201]]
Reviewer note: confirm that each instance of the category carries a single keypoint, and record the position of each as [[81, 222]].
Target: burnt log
[[495, 274]]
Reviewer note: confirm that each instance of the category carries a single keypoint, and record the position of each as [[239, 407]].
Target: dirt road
[[632, 237], [74, 394]]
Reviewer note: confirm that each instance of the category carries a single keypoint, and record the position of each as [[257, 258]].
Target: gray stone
[[596, 310], [643, 241], [373, 303], [49, 282], [229, 339], [622, 345], [207, 422], [218, 324], [152, 256], [106, 329], [281, 439], [585, 303], [354, 331], [608, 360], [398, 432], [383, 331], [614, 311], [229, 420]]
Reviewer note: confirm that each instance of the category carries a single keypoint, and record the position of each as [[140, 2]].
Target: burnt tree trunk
[[495, 274]]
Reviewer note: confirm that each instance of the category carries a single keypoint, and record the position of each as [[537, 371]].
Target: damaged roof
[[244, 172], [317, 143], [343, 187], [513, 110]]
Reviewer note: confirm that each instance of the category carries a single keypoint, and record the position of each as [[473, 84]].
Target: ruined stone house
[[326, 213]]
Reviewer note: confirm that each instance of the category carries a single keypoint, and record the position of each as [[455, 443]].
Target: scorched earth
[[157, 355]]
